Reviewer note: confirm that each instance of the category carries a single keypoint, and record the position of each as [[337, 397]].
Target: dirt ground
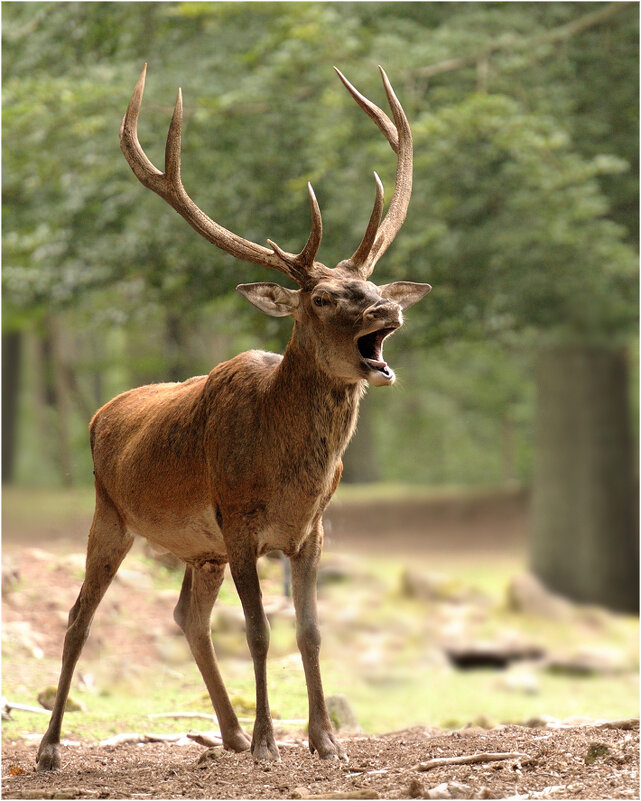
[[553, 763], [581, 761]]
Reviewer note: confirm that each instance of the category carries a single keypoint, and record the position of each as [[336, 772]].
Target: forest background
[[521, 367]]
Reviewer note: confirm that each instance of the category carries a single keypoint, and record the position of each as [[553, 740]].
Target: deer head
[[341, 318]]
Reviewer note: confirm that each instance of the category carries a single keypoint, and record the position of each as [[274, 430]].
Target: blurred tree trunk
[[97, 380], [11, 364], [508, 448], [360, 464], [176, 360], [43, 404], [585, 502], [60, 397]]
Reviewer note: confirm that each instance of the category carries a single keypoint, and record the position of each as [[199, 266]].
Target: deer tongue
[[378, 364]]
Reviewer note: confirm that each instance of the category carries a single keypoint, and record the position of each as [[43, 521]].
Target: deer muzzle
[[370, 348]]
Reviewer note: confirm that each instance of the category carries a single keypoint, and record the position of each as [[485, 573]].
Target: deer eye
[[320, 301]]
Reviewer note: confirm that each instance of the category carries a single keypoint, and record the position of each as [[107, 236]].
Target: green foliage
[[525, 190], [498, 177], [469, 406], [515, 227]]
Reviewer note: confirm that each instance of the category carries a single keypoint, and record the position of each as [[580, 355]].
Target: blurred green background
[[518, 375]]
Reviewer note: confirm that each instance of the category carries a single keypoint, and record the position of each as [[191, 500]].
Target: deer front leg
[[304, 570], [242, 562]]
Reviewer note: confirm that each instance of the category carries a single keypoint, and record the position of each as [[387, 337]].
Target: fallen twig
[[208, 739], [135, 737], [125, 737], [64, 792], [176, 715], [9, 705], [204, 739], [207, 716], [279, 722], [364, 794], [163, 738], [466, 759]]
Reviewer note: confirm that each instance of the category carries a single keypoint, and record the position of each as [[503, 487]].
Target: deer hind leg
[[193, 613], [304, 568], [242, 561], [108, 545]]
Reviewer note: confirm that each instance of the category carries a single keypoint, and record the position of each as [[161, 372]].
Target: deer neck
[[321, 408]]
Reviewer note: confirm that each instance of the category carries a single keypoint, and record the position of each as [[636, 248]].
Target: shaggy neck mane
[[321, 408]]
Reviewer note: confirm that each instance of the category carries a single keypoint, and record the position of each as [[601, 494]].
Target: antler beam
[[169, 186], [301, 267]]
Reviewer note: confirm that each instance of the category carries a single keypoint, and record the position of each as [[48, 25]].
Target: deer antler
[[379, 236], [169, 186], [301, 267]]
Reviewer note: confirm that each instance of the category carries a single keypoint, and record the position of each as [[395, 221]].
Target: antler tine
[[302, 262], [399, 204], [308, 253], [143, 169], [169, 186], [173, 144], [399, 136], [359, 258], [373, 111]]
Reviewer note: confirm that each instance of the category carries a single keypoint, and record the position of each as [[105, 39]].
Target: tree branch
[[556, 34]]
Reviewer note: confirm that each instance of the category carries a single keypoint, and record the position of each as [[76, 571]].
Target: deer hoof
[[48, 757], [327, 747], [265, 750], [238, 741]]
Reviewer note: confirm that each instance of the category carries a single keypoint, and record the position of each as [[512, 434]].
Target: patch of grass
[[390, 491], [456, 699], [45, 506], [382, 702]]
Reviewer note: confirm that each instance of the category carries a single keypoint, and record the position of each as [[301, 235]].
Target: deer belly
[[195, 538]]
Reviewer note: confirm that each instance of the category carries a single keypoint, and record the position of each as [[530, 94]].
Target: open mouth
[[370, 346]]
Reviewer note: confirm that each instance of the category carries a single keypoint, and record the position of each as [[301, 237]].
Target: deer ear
[[275, 300], [405, 293]]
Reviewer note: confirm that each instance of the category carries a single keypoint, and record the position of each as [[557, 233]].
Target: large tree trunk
[[11, 363], [584, 540]]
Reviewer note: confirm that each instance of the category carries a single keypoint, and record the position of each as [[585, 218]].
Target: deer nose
[[381, 309]]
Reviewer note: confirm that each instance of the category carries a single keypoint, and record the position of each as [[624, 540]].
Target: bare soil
[[556, 765]]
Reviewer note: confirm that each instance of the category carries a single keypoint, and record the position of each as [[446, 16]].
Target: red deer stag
[[224, 467]]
